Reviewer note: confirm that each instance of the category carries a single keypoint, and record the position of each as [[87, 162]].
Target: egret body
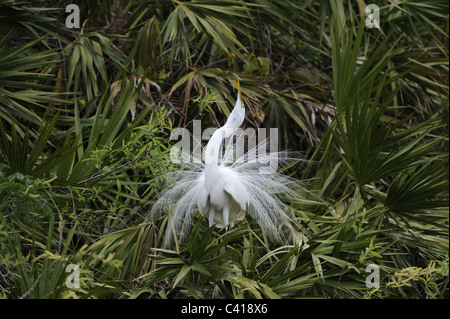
[[223, 191]]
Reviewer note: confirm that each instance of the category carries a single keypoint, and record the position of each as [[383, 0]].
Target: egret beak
[[239, 92]]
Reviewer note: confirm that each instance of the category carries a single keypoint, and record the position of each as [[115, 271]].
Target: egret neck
[[235, 120]]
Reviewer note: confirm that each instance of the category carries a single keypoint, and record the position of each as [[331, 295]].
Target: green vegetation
[[85, 120]]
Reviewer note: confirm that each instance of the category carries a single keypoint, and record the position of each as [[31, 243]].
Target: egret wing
[[203, 203], [238, 192]]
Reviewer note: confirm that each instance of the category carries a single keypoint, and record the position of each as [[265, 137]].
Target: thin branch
[[25, 295]]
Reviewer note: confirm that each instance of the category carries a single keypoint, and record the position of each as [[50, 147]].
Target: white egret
[[225, 191]]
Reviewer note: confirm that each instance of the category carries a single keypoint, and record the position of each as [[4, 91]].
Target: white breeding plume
[[224, 190]]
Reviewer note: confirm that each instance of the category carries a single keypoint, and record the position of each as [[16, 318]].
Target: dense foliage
[[85, 120]]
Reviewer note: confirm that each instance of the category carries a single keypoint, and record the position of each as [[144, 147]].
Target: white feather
[[225, 191]]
